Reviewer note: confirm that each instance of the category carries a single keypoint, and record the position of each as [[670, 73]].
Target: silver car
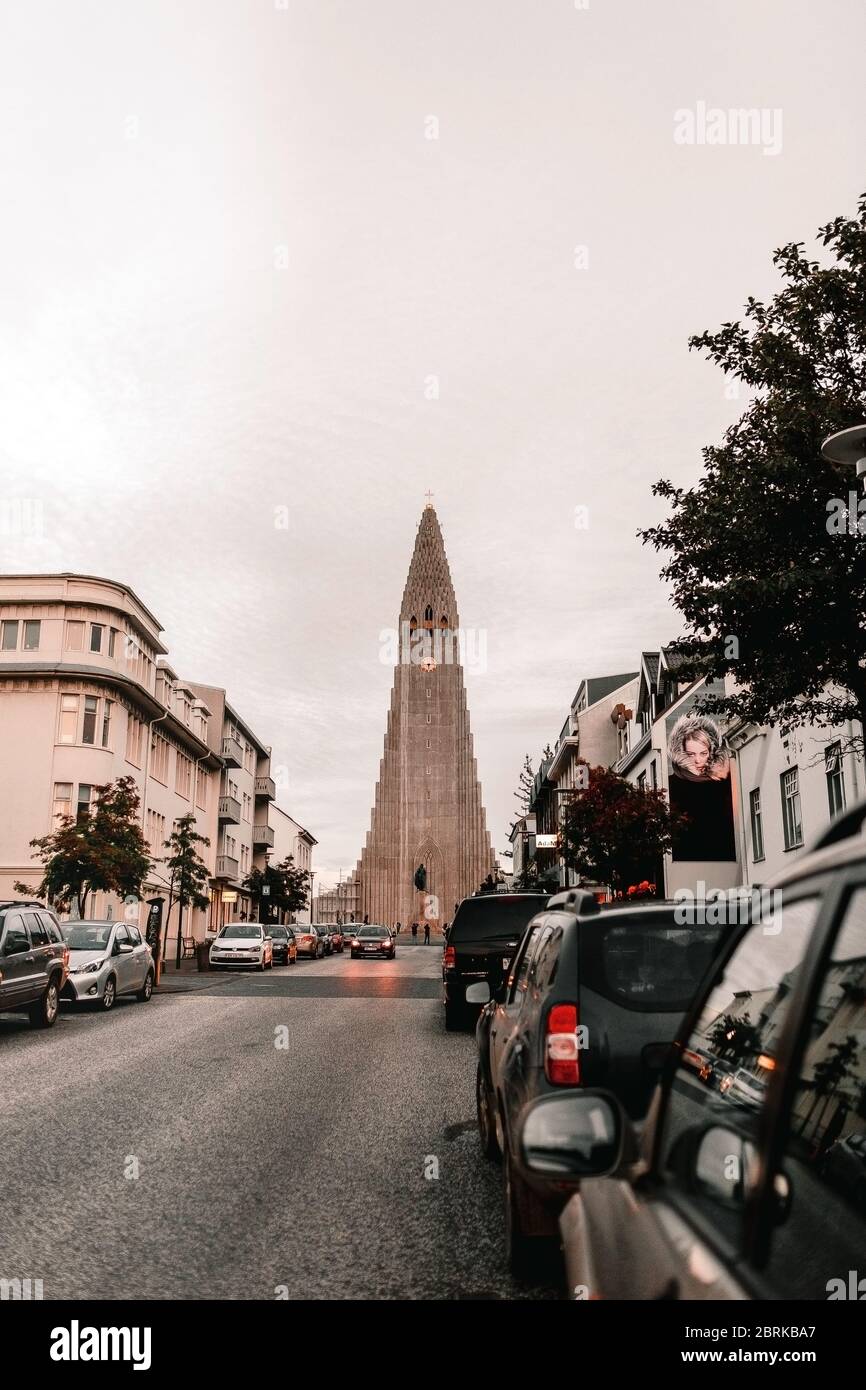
[[106, 959]]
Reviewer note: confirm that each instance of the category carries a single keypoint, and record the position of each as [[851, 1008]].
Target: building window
[[32, 633], [91, 709], [106, 723], [201, 788], [96, 631], [74, 637], [791, 815], [757, 824], [835, 778], [62, 798], [68, 719], [641, 782], [428, 614], [248, 807], [134, 728], [10, 635], [183, 775], [159, 750], [85, 797], [112, 638]]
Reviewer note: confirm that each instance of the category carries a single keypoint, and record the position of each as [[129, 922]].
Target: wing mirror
[[578, 1135], [478, 993]]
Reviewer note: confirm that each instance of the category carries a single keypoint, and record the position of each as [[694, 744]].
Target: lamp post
[[847, 449]]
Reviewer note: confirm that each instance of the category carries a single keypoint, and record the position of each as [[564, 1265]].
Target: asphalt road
[[173, 1150]]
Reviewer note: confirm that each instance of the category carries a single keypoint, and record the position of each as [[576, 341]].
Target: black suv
[[34, 961], [481, 943], [595, 998]]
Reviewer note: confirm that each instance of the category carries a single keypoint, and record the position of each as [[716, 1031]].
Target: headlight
[[93, 968]]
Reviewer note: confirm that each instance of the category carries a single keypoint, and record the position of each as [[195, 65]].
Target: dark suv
[[481, 943], [34, 961], [595, 998]]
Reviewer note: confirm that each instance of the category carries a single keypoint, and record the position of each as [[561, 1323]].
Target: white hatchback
[[242, 944]]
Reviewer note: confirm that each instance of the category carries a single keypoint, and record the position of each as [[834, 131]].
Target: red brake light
[[561, 1054], [450, 957]]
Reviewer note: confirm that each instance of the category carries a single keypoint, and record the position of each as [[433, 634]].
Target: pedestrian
[[414, 931], [398, 928], [426, 933]]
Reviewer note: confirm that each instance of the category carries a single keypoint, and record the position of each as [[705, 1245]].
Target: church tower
[[428, 807]]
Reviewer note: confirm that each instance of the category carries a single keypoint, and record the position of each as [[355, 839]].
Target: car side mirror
[[578, 1135], [478, 993], [723, 1166], [123, 948]]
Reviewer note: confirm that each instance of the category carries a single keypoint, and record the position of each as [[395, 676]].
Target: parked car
[[482, 940], [844, 1167], [242, 944], [594, 998], [285, 951], [325, 932], [718, 1201], [373, 940], [34, 960], [338, 941], [308, 942], [742, 1087], [106, 959]]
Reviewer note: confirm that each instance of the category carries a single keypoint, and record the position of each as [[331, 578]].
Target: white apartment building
[[87, 696], [83, 701], [290, 838]]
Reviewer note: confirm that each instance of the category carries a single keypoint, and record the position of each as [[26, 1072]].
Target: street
[[259, 1166]]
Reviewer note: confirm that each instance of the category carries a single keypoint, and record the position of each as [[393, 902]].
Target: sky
[[273, 269]]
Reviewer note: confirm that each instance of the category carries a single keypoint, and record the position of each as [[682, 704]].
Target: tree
[[771, 585], [614, 832], [734, 1036], [288, 884], [188, 872], [525, 783], [829, 1074], [104, 850]]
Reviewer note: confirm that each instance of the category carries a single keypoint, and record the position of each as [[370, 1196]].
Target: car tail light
[[450, 957], [561, 1055]]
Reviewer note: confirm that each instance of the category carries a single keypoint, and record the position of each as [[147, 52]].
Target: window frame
[[9, 623], [791, 843], [756, 822]]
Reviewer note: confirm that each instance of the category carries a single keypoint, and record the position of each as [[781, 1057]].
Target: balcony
[[233, 753], [227, 867], [263, 837], [229, 811], [266, 788]]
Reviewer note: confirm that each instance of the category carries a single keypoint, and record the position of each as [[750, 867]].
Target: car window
[[520, 976], [719, 1088], [538, 951], [825, 1159], [38, 934], [134, 934], [15, 938], [494, 916], [546, 960], [54, 932], [121, 936]]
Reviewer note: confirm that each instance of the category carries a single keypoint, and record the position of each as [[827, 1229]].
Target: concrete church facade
[[428, 809]]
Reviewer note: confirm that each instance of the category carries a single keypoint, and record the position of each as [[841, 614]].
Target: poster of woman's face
[[699, 780]]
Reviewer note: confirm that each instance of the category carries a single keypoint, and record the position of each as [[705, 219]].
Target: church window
[[429, 720], [429, 692], [428, 614], [444, 621]]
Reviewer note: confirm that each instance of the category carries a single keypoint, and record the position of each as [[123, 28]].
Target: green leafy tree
[[104, 850], [829, 1074], [289, 887], [188, 873], [771, 584], [614, 832]]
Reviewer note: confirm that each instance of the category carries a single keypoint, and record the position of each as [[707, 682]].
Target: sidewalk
[[188, 978]]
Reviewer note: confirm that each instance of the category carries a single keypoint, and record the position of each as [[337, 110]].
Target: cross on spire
[[429, 496]]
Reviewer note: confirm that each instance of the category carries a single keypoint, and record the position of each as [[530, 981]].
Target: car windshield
[[246, 930], [87, 936], [278, 933], [374, 931], [494, 915], [657, 964]]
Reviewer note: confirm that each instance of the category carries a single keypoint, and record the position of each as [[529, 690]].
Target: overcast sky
[[237, 271]]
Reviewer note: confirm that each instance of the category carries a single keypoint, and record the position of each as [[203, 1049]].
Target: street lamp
[[847, 448]]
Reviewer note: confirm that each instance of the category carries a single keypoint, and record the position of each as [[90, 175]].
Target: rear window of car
[[51, 927], [494, 915], [655, 965], [374, 931]]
